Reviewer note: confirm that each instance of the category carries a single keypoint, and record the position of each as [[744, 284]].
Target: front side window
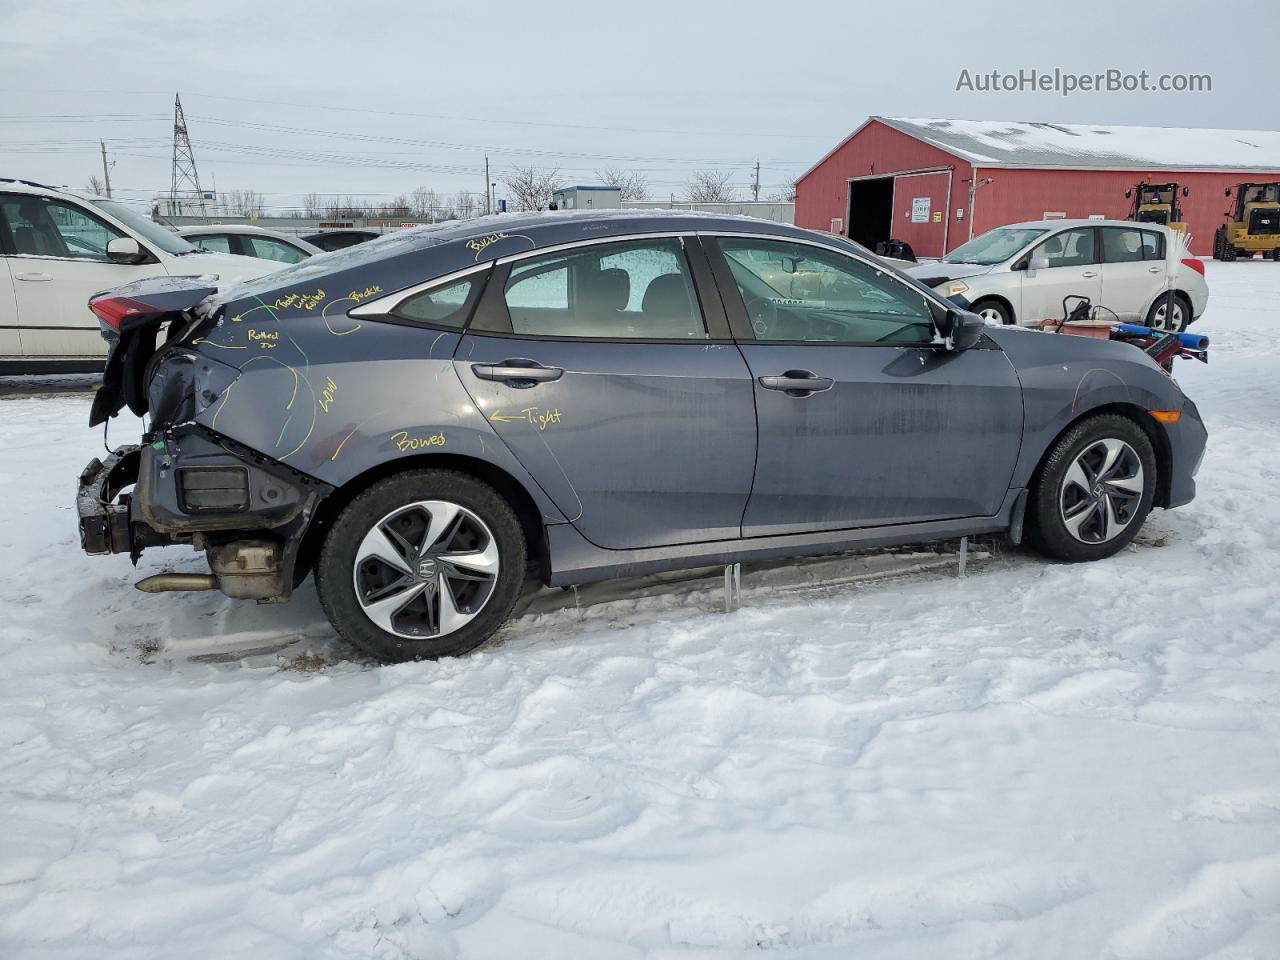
[[214, 243], [797, 292], [1071, 248], [443, 306], [50, 228], [269, 248], [632, 290]]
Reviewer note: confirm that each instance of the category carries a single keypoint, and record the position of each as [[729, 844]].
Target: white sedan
[[247, 240], [1022, 272], [59, 248]]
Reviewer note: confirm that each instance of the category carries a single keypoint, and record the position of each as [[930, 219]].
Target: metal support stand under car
[[732, 587]]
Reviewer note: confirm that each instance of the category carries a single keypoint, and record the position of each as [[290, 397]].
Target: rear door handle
[[1156, 269], [33, 276], [519, 372], [1089, 273], [797, 383]]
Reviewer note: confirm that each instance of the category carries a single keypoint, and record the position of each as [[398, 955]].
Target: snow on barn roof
[[1007, 143], [1019, 144]]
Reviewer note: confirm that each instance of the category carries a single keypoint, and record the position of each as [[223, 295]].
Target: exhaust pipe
[[166, 582]]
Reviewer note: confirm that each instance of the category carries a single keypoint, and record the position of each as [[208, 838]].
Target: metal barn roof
[[1087, 145], [1004, 143]]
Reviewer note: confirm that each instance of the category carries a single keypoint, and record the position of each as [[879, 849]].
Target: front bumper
[[1187, 440]]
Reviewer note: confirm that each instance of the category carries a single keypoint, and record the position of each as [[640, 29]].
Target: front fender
[[1064, 377]]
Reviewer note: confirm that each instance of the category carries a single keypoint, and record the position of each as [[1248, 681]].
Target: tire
[[1181, 314], [1229, 252], [1219, 241], [450, 607], [1068, 485], [993, 311]]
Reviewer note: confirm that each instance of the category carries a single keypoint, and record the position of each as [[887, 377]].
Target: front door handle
[[1088, 274], [797, 383], [1156, 269], [33, 276], [517, 373]]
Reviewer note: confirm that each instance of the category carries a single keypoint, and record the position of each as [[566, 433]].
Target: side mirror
[[1039, 261], [1128, 193], [962, 328], [1186, 191], [1226, 192], [125, 250]]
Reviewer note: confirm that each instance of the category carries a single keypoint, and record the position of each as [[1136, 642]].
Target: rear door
[[1063, 265], [59, 260], [608, 370], [1133, 270], [10, 336], [863, 420]]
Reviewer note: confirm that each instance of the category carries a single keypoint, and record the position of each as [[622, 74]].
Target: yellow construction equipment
[[1253, 223], [1157, 203]]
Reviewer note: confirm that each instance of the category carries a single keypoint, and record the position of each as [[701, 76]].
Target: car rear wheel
[[1158, 315], [1094, 490], [422, 565], [993, 311]]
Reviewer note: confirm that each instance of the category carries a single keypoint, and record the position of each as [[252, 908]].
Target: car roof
[[204, 230], [1079, 222]]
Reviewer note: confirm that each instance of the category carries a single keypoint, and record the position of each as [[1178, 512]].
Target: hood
[[229, 269], [935, 271]]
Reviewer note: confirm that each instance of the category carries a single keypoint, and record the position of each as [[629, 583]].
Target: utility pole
[[106, 170], [486, 185], [755, 187]]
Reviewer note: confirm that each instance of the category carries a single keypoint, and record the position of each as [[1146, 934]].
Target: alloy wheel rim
[[426, 569], [991, 315], [1159, 321], [1101, 491]]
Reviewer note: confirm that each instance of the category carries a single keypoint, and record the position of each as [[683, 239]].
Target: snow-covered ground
[[1037, 761]]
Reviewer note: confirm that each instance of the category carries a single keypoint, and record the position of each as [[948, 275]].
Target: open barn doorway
[[870, 211]]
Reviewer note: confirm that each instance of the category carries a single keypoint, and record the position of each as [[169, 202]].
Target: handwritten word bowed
[[403, 441]]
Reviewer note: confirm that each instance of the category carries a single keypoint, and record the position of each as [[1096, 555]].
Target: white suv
[[1021, 273], [60, 248]]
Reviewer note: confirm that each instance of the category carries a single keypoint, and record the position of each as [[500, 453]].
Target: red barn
[[936, 183]]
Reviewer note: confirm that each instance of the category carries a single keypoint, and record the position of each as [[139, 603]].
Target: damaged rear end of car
[[184, 483]]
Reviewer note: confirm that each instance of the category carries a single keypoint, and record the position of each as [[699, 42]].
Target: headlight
[[954, 287]]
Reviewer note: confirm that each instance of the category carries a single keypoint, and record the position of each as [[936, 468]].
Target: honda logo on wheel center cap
[[426, 568]]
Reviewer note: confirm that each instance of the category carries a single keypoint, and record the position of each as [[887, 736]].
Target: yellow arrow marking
[[212, 344], [498, 417]]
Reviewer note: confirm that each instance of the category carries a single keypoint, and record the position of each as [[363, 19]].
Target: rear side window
[[1124, 246], [638, 290], [443, 306], [1152, 245]]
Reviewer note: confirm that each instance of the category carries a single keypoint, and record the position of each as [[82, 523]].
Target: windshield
[[994, 247], [149, 230]]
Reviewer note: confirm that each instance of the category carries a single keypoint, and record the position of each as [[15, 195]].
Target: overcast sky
[[376, 98]]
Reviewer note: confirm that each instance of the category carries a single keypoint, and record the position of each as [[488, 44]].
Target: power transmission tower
[[185, 184]]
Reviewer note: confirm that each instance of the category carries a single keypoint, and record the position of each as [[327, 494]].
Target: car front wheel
[[1093, 490], [425, 564], [993, 311]]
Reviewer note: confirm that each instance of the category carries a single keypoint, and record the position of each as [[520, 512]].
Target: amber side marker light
[[1165, 416]]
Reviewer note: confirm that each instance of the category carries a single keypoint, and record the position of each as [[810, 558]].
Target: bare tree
[[531, 189], [244, 203], [95, 186], [633, 184], [312, 206], [465, 206], [786, 195], [709, 186], [425, 203]]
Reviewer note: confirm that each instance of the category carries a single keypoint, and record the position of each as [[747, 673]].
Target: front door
[[1063, 265], [58, 260], [863, 420], [609, 373]]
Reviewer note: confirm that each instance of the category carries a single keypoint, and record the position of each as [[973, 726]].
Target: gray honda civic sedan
[[425, 420]]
